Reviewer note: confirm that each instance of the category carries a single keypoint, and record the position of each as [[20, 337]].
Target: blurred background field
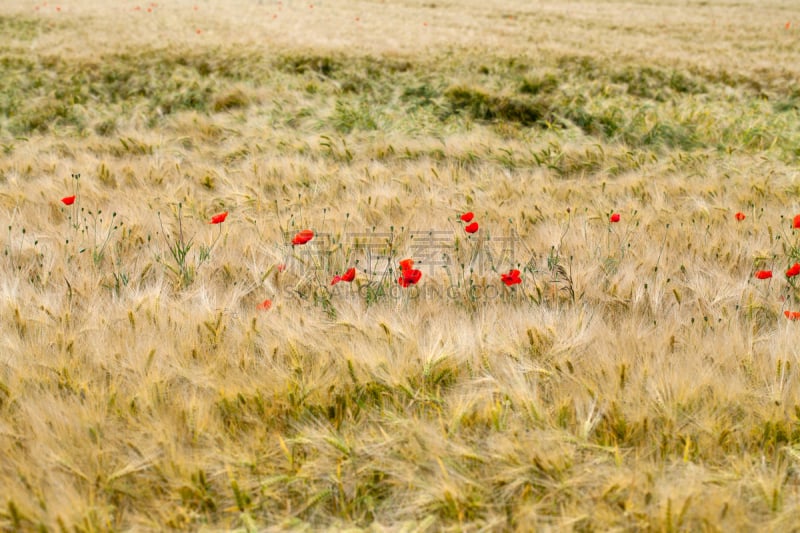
[[640, 376]]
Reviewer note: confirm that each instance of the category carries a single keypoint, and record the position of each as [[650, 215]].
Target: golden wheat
[[640, 376]]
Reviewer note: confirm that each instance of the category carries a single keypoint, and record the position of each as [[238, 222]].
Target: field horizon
[[171, 359]]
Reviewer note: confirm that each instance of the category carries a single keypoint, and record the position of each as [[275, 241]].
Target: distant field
[[158, 371]]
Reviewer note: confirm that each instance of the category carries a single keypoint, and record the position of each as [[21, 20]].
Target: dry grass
[[639, 378]]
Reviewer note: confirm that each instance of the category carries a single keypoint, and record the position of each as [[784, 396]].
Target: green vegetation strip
[[641, 106]]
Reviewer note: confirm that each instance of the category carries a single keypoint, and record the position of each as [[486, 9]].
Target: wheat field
[[158, 371]]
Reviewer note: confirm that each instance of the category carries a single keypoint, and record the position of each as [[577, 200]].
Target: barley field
[[207, 316]]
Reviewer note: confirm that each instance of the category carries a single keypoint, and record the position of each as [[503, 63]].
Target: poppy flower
[[739, 216], [348, 276], [410, 277], [467, 217], [792, 315], [406, 264], [281, 267], [793, 271], [471, 228], [764, 274], [796, 222], [219, 218], [303, 237], [615, 217], [68, 200], [512, 278], [265, 305]]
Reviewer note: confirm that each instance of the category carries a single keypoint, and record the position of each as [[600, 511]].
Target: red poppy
[[792, 315], [793, 271], [406, 264], [739, 216], [471, 228], [348, 276], [281, 267], [615, 217], [410, 277], [796, 222], [265, 305], [68, 200], [512, 278], [764, 274], [303, 237], [219, 218], [467, 217]]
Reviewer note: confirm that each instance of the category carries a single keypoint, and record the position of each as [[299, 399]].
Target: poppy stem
[[214, 242]]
